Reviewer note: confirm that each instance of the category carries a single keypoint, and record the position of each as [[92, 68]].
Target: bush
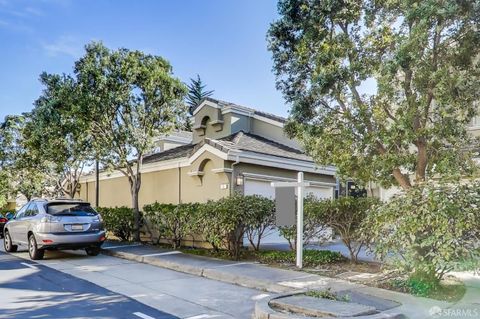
[[345, 216], [311, 258], [222, 222], [259, 219], [118, 220], [428, 229], [174, 222], [313, 224]]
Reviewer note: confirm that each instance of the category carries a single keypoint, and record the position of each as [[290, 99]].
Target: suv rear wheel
[[92, 251], [33, 251], [7, 243]]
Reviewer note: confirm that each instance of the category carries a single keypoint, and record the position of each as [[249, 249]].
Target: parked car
[[57, 224], [3, 221]]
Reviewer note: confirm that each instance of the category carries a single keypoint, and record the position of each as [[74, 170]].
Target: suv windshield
[[70, 209]]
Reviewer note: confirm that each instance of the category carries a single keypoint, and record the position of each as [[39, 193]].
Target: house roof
[[240, 141], [253, 143], [176, 152], [222, 103]]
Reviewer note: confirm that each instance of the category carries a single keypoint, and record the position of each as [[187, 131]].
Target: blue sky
[[222, 40]]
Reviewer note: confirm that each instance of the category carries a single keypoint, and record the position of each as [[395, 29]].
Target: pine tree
[[196, 93]]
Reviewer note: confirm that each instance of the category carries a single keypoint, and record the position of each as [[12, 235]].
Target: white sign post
[[300, 184]]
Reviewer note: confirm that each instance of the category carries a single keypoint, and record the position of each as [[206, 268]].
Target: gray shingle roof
[[264, 114], [177, 152], [239, 141], [253, 143]]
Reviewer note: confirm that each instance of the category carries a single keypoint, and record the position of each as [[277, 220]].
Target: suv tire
[[92, 251], [7, 243], [34, 252]]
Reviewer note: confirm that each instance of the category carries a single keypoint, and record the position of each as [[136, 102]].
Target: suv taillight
[[50, 219]]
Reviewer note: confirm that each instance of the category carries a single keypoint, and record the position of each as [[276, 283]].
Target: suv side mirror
[[10, 216]]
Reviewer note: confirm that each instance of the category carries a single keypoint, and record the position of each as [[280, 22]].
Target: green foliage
[[428, 229], [130, 98], [118, 220], [419, 63], [345, 216], [314, 227], [259, 219], [224, 222], [196, 93], [421, 284], [173, 222], [56, 136], [311, 258], [27, 173]]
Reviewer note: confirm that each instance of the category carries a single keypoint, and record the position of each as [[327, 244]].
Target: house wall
[[272, 132], [165, 186], [211, 131]]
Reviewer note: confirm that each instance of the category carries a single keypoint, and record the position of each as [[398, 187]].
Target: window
[[70, 209], [21, 211], [32, 210]]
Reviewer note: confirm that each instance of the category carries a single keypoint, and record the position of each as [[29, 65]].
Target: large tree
[[133, 97], [381, 89], [56, 136], [9, 136]]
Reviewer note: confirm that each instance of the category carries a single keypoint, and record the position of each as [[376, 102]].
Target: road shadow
[[31, 290]]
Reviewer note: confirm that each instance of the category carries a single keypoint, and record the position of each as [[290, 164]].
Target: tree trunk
[[421, 162], [97, 183], [135, 182], [402, 180]]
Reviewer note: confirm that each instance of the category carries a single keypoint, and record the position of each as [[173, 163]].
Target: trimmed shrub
[[118, 220], [345, 216], [314, 227], [311, 258], [173, 222], [259, 219], [224, 222], [428, 229]]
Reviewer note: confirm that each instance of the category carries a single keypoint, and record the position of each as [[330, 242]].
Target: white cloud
[[65, 45]]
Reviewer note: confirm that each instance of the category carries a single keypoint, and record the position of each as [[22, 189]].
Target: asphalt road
[[72, 285], [31, 290]]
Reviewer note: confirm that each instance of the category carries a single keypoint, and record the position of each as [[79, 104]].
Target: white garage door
[[263, 188]]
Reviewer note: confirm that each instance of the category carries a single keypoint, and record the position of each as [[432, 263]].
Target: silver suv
[[58, 224]]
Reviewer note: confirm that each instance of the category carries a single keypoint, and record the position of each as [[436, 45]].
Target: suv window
[[21, 211], [32, 210], [70, 209]]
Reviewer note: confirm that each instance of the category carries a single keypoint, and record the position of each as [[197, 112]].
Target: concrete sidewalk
[[258, 276]]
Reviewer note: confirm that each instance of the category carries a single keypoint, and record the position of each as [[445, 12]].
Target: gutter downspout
[[237, 160], [179, 183]]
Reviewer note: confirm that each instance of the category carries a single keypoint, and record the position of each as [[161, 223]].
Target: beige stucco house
[[232, 149]]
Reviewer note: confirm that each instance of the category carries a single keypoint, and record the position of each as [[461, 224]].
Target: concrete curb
[[263, 311], [209, 273]]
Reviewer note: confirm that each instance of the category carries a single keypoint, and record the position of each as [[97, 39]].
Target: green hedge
[[223, 223], [118, 220], [311, 258], [173, 222]]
